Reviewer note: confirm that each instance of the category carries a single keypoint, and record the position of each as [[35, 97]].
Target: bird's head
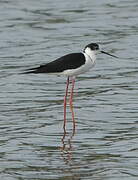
[[94, 48]]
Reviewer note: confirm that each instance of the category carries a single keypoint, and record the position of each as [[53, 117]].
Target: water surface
[[105, 99]]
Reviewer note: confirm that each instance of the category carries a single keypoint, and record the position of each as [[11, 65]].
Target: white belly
[[84, 68]]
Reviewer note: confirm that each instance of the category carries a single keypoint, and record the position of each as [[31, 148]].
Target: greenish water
[[105, 145]]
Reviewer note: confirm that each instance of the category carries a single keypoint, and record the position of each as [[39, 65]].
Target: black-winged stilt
[[71, 65]]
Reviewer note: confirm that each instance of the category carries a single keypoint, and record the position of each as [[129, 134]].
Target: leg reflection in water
[[68, 141], [67, 148]]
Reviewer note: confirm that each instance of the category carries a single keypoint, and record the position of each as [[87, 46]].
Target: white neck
[[90, 53]]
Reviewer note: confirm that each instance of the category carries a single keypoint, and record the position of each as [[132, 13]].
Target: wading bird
[[71, 65]]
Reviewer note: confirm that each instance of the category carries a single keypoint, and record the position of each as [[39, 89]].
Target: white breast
[[89, 63]]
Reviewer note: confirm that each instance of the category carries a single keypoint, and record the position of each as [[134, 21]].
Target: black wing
[[69, 61]]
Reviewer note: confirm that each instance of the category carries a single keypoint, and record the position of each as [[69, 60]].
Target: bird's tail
[[35, 70], [32, 70]]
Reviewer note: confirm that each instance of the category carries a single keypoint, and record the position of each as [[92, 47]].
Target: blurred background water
[[105, 145]]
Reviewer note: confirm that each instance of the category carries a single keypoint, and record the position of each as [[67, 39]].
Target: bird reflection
[[67, 147]]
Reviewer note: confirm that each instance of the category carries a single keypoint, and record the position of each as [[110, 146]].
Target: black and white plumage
[[71, 65], [69, 61]]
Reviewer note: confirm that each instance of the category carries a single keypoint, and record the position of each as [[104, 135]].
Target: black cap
[[93, 46]]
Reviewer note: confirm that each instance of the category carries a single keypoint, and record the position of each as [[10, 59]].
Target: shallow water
[[105, 101]]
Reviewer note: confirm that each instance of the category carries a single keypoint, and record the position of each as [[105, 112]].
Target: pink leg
[[71, 104], [65, 103]]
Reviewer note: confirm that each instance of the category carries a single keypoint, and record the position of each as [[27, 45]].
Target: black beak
[[108, 54]]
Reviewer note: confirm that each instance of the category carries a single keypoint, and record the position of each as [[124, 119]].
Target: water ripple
[[32, 145]]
